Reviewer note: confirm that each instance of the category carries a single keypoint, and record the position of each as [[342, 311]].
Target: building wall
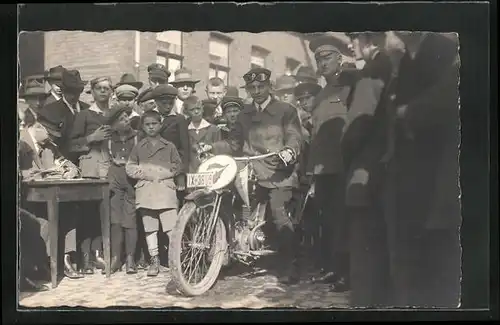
[[112, 53]]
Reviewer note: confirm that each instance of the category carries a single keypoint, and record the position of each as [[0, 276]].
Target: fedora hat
[[33, 86], [129, 79], [285, 83], [72, 80], [184, 75], [306, 74], [55, 73], [307, 89]]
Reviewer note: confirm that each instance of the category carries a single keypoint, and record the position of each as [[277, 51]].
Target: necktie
[[259, 108]]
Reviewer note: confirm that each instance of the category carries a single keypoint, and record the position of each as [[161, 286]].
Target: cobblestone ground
[[238, 287]]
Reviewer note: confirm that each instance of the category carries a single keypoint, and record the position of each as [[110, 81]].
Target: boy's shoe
[[154, 267]]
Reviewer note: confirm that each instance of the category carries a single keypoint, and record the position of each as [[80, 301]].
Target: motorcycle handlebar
[[250, 158]]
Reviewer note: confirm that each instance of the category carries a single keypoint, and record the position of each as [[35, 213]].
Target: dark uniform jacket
[[426, 162], [255, 133]]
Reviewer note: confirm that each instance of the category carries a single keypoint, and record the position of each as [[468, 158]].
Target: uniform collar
[[203, 124], [264, 105]]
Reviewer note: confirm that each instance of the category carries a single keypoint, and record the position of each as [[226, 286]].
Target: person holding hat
[[185, 83], [174, 127], [39, 157], [269, 125], [326, 164], [200, 131], [231, 108], [67, 107], [154, 162], [54, 78], [122, 203]]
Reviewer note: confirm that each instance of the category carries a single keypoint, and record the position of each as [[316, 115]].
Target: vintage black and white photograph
[[239, 169]]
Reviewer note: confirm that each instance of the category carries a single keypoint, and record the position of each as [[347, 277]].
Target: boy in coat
[[200, 131], [123, 213], [154, 162]]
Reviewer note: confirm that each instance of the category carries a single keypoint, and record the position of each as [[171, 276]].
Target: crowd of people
[[375, 151]]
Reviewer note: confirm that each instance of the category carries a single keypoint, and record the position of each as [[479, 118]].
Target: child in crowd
[[199, 130], [231, 108], [122, 202], [154, 162]]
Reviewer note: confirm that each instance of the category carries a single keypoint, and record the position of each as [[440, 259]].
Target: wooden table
[[70, 190]]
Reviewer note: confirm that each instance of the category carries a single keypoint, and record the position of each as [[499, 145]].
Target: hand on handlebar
[[287, 156], [204, 148]]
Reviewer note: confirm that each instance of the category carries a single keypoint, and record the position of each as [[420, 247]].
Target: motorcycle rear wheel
[[183, 264]]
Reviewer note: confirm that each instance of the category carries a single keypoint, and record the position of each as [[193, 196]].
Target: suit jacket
[[255, 133], [65, 116], [50, 99], [426, 164]]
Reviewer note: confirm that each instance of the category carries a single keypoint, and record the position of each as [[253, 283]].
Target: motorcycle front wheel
[[195, 260]]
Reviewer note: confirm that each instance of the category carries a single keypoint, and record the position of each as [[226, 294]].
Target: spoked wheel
[[196, 256]]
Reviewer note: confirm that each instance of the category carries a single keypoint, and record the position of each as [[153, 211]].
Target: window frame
[[263, 53], [217, 66]]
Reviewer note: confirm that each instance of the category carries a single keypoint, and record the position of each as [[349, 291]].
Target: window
[[169, 51], [218, 52], [291, 66], [258, 57]]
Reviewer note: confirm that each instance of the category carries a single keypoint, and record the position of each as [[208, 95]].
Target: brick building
[[207, 54]]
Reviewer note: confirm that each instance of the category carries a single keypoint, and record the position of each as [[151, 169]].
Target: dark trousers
[[120, 236], [89, 227], [278, 203], [67, 223], [33, 237], [142, 253], [425, 268], [369, 261], [330, 201]]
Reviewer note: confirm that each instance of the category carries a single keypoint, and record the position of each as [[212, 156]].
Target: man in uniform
[[326, 164], [263, 126]]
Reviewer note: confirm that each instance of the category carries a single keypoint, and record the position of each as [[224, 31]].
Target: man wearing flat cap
[[54, 78], [126, 92], [174, 126], [264, 126], [325, 163], [157, 75], [67, 107]]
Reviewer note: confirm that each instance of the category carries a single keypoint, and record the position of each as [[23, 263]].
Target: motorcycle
[[221, 222]]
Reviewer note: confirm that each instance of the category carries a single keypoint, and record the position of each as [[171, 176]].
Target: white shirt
[[37, 146], [264, 105], [95, 108], [178, 106], [56, 96], [203, 124], [71, 107]]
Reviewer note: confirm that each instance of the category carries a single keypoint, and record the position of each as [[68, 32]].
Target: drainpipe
[[137, 56]]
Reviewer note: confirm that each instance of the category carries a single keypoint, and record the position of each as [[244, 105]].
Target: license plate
[[198, 180]]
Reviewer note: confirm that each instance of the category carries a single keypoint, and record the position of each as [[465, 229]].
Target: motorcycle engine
[[249, 239]]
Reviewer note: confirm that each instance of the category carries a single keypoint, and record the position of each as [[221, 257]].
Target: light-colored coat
[[154, 167]]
